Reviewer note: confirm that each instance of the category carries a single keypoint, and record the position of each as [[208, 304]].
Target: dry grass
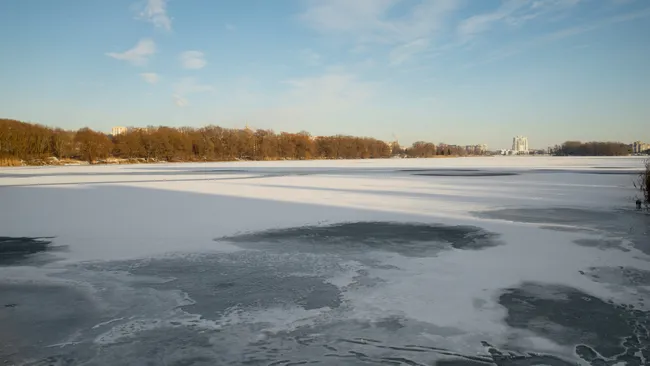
[[10, 162]]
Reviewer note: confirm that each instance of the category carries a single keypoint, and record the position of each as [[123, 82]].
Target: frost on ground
[[507, 261]]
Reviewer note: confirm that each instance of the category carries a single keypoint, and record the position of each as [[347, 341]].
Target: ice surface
[[184, 251]]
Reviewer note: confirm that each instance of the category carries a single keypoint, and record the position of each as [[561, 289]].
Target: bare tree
[[643, 185]]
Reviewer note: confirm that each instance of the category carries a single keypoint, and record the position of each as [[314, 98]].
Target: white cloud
[[138, 55], [515, 49], [331, 90], [575, 30], [404, 52], [359, 49], [229, 27], [193, 60], [150, 77], [155, 12], [180, 101], [514, 13], [319, 99], [346, 16], [188, 86], [368, 20], [310, 57]]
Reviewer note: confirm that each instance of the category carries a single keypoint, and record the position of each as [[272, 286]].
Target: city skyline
[[450, 71]]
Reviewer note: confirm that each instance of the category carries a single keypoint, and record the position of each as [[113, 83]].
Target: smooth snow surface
[[474, 261]]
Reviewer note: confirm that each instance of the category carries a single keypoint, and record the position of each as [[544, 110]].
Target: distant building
[[137, 129], [118, 130], [480, 149], [121, 130], [639, 147], [520, 145]]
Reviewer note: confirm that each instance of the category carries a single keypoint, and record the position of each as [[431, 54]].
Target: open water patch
[[601, 332], [408, 239]]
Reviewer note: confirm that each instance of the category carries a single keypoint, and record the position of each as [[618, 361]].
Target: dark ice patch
[[43, 315], [173, 346], [14, 250], [462, 363], [603, 244], [566, 229], [627, 224], [244, 280], [557, 215], [437, 170], [571, 317], [466, 174], [457, 172], [623, 276], [409, 239]]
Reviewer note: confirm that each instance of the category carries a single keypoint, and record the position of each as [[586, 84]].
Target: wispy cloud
[[343, 16], [230, 28], [138, 55], [513, 13], [579, 29], [180, 101], [150, 77], [318, 99], [155, 12], [332, 89], [193, 60], [188, 86], [404, 52], [515, 49], [372, 22], [369, 20], [310, 57]]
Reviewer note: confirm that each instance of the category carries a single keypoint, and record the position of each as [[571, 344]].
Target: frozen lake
[[474, 261]]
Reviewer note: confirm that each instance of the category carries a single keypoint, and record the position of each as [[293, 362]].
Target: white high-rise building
[[639, 147], [118, 130], [520, 145]]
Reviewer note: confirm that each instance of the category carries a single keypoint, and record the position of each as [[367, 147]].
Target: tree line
[[30, 142], [593, 148], [27, 142]]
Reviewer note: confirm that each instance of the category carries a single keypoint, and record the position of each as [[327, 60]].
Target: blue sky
[[454, 71]]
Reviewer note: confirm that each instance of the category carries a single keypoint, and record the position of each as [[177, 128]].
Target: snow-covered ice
[[337, 262]]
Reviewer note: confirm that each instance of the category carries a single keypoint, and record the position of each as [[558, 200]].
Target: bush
[[643, 184]]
